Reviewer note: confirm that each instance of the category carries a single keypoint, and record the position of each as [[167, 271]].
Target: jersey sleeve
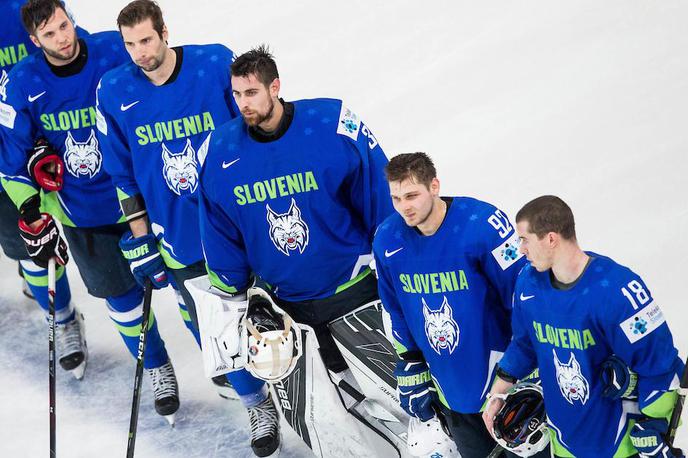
[[519, 359], [17, 135], [223, 247], [499, 255], [227, 59], [368, 189], [638, 334], [403, 340], [115, 148]]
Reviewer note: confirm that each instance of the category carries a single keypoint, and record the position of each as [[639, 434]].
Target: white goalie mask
[[428, 439], [271, 338]]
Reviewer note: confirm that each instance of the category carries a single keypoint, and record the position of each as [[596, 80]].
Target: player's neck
[[61, 63], [570, 263], [161, 74], [271, 125], [434, 220]]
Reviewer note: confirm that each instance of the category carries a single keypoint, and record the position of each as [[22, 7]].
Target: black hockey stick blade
[[678, 407]]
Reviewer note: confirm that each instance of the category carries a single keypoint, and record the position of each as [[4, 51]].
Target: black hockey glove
[[44, 241], [45, 166]]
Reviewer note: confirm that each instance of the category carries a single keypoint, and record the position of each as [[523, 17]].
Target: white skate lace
[[163, 380], [69, 338], [264, 419]]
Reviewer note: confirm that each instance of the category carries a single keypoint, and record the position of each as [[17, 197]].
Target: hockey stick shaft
[[51, 356], [678, 408], [133, 422], [497, 451]]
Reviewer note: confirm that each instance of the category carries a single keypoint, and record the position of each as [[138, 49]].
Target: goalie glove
[[46, 166], [219, 324]]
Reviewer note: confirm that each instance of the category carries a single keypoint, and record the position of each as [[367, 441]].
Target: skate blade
[[78, 371], [170, 419]]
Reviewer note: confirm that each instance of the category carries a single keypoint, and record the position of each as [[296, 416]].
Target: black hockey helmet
[[521, 424]]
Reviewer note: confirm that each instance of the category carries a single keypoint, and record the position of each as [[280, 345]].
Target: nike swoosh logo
[[228, 164], [32, 98], [392, 253], [124, 107], [525, 298]]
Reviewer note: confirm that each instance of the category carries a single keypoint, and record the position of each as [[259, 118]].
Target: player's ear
[[165, 33], [35, 41], [435, 187], [274, 88]]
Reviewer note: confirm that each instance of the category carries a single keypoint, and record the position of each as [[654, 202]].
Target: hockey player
[[446, 271], [51, 95], [573, 309], [15, 45], [292, 191], [158, 114]]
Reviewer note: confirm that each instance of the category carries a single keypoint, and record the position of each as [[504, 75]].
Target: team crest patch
[[180, 170], [349, 123], [82, 158], [440, 328], [288, 231], [572, 384]]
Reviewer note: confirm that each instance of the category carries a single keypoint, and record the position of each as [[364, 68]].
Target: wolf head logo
[[440, 327], [82, 159], [287, 230], [181, 170], [573, 386]]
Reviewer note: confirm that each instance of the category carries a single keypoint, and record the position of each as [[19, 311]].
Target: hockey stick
[[51, 355], [497, 451], [133, 422], [678, 408]]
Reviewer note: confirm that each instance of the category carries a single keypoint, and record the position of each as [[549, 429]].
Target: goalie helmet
[[520, 426], [272, 339], [428, 439]]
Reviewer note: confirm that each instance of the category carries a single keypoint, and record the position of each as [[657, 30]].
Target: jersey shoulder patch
[[7, 112], [349, 124]]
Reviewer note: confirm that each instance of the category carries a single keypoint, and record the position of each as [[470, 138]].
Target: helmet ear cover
[[521, 424]]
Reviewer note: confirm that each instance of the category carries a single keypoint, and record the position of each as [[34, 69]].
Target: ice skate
[[224, 388], [265, 430], [71, 345], [165, 390]]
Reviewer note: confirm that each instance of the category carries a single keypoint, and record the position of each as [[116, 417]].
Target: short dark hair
[[547, 214], [258, 61], [415, 166], [138, 11], [35, 13]]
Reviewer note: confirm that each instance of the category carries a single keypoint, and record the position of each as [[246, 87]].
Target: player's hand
[[144, 259], [43, 241], [494, 403], [45, 166], [415, 389], [647, 436], [619, 381]]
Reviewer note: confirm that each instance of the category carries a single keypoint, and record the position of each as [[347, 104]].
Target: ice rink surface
[[587, 100]]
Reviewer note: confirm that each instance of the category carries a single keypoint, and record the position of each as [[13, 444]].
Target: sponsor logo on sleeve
[[507, 253], [7, 112], [643, 322], [349, 123]]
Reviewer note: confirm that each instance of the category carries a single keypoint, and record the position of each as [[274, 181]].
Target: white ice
[[587, 100]]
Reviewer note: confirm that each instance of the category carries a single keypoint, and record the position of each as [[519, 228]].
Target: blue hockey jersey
[[569, 333], [154, 139], [449, 295], [300, 211], [61, 109]]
